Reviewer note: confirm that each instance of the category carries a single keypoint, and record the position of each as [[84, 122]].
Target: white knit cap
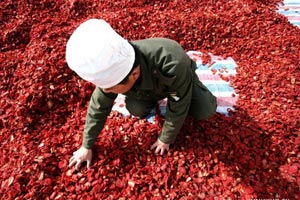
[[98, 54]]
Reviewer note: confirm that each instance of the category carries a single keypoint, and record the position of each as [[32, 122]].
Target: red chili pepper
[[253, 153]]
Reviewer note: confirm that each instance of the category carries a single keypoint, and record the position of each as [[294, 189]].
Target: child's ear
[[136, 72]]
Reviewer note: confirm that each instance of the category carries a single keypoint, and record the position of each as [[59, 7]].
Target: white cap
[[98, 54]]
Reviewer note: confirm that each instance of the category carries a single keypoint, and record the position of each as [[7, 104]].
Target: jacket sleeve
[[180, 68], [179, 100], [100, 106]]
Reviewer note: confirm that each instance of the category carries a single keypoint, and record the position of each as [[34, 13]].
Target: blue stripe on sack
[[216, 66], [219, 88], [295, 22], [288, 3], [294, 12], [223, 66]]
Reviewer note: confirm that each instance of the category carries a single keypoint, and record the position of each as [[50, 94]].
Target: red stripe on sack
[[293, 17], [206, 77], [226, 101]]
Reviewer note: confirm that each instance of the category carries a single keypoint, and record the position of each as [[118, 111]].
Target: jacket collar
[[145, 82]]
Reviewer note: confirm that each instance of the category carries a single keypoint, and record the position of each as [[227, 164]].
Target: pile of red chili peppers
[[253, 153]]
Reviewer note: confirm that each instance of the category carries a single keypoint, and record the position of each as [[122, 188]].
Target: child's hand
[[80, 156], [160, 147]]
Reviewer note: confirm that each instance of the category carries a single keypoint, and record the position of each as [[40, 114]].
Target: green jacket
[[166, 71]]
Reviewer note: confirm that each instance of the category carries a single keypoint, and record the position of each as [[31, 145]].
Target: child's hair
[[135, 64]]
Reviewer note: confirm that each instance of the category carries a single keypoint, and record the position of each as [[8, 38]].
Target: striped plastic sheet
[[291, 9]]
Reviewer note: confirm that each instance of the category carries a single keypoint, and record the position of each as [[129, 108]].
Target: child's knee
[[206, 112], [137, 108]]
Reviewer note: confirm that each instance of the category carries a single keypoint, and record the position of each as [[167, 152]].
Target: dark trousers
[[203, 103]]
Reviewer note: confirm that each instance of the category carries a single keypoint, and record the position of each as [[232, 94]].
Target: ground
[[253, 153]]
